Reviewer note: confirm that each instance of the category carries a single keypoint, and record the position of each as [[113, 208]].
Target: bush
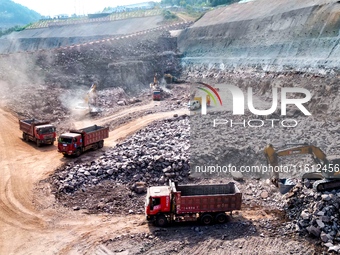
[[169, 15]]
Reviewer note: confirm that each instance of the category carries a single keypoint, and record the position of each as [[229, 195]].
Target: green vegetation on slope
[[169, 15], [12, 29]]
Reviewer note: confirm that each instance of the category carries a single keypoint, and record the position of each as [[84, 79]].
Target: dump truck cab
[[40, 132], [157, 201], [157, 94], [69, 142], [46, 132]]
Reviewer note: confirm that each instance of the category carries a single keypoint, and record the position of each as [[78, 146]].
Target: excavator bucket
[[285, 185]]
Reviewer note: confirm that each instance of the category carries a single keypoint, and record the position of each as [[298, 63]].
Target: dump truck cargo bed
[[92, 134], [28, 125], [207, 198], [206, 203]]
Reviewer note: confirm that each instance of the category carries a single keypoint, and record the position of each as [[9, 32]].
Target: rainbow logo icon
[[211, 94]]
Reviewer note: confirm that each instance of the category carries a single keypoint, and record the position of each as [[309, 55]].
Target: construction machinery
[[157, 94], [325, 174], [169, 79], [206, 203], [40, 132], [91, 99], [157, 91], [199, 99], [75, 142], [196, 103]]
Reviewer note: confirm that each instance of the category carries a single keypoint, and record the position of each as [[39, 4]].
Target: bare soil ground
[[31, 220]]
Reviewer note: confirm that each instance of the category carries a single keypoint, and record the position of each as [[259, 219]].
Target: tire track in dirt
[[120, 114], [8, 197], [137, 124]]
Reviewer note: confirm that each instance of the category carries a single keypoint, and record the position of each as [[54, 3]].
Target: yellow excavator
[[172, 79], [327, 170], [91, 98]]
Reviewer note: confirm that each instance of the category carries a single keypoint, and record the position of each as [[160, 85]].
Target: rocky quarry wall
[[273, 35], [129, 58], [264, 44]]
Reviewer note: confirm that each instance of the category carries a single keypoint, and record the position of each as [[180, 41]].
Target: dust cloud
[[75, 101], [19, 77]]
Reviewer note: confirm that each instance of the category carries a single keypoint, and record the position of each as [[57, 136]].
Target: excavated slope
[[74, 55], [58, 36], [275, 35]]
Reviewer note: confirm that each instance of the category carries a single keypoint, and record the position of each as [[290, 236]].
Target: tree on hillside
[[12, 14], [170, 2]]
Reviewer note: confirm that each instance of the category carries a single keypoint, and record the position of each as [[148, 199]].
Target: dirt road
[[30, 220], [108, 119]]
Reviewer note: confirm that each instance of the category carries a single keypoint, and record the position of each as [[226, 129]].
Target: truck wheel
[[161, 220], [100, 144], [95, 146], [206, 219], [78, 152], [221, 218], [25, 137], [38, 143]]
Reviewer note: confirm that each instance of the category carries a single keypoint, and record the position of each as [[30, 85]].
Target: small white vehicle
[[194, 105]]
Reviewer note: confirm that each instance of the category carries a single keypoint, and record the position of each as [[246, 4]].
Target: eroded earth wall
[[129, 60], [273, 35], [264, 44]]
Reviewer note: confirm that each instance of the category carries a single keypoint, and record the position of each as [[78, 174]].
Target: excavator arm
[[91, 95], [272, 155]]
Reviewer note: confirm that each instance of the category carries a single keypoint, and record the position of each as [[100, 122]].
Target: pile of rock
[[242, 145], [316, 214], [151, 156]]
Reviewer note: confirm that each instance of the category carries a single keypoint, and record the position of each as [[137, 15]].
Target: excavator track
[[326, 185]]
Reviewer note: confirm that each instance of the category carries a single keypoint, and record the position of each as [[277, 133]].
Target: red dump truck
[[157, 95], [206, 203], [40, 132], [75, 142]]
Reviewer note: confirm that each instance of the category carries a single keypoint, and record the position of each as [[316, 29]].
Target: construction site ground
[[35, 218], [34, 221]]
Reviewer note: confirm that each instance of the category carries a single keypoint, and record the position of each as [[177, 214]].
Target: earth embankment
[[65, 35], [273, 35]]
